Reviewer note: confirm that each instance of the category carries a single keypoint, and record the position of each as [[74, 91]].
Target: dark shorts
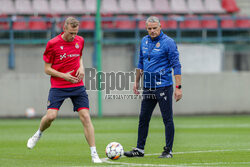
[[78, 96]]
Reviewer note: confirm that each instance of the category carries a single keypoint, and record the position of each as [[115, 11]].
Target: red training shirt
[[64, 57]]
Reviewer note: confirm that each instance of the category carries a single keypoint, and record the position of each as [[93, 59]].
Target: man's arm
[[175, 63], [139, 72], [178, 92], [80, 72], [177, 80], [137, 80], [52, 72]]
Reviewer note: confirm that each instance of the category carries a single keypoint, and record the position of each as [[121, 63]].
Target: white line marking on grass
[[207, 151], [213, 126], [106, 160], [222, 163], [135, 164]]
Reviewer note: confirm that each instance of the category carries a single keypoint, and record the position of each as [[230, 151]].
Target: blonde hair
[[72, 21]]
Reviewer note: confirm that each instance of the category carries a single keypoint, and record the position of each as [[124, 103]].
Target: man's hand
[[80, 74], [135, 89], [177, 94], [68, 77]]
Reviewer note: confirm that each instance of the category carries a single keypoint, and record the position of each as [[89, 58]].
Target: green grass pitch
[[199, 141]]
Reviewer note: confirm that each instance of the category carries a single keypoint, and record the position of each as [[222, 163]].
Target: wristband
[[178, 86]]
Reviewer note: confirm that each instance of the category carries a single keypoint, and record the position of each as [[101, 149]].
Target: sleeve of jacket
[[140, 63], [174, 57]]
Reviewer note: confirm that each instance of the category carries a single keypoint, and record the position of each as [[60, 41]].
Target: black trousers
[[164, 97]]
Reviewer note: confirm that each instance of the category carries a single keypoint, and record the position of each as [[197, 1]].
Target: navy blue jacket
[[157, 59]]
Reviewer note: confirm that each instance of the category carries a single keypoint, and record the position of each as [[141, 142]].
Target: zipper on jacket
[[150, 49]]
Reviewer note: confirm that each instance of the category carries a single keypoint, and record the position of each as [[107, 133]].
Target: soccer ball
[[30, 112], [114, 150]]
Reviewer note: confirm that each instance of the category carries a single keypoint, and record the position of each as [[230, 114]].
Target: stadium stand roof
[[7, 7], [58, 6], [161, 6], [127, 6], [179, 6], [90, 6], [41, 7], [196, 6], [76, 7], [109, 6], [24, 7], [213, 6], [144, 6]]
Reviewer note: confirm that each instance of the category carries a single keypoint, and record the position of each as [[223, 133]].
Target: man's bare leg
[[48, 119], [89, 133], [45, 123]]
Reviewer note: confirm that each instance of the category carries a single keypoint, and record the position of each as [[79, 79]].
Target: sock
[[140, 150], [38, 133], [93, 150]]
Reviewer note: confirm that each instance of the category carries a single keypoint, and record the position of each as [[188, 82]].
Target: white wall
[[28, 86], [197, 58]]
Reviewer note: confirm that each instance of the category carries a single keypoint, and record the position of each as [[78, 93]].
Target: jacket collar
[[156, 38]]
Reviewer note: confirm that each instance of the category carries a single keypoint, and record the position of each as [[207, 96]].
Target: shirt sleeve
[[48, 54], [140, 63], [174, 57]]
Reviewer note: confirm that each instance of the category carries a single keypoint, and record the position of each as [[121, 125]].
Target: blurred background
[[213, 38]]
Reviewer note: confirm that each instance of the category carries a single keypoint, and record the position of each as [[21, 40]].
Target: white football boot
[[96, 159], [33, 140]]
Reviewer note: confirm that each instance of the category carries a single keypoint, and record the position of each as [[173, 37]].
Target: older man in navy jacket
[[158, 56]]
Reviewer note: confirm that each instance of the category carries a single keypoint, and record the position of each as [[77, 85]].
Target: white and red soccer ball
[[114, 150]]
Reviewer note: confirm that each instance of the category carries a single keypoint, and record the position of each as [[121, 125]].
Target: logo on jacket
[[61, 47], [62, 56], [158, 44], [146, 42], [157, 49], [158, 83], [68, 56], [77, 46]]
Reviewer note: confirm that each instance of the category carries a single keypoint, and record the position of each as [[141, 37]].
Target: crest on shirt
[[146, 42], [158, 44], [61, 47], [77, 45]]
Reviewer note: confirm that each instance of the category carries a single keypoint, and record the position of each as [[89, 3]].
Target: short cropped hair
[[72, 21], [153, 19]]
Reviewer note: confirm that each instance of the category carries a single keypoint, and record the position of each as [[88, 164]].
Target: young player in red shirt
[[63, 62]]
